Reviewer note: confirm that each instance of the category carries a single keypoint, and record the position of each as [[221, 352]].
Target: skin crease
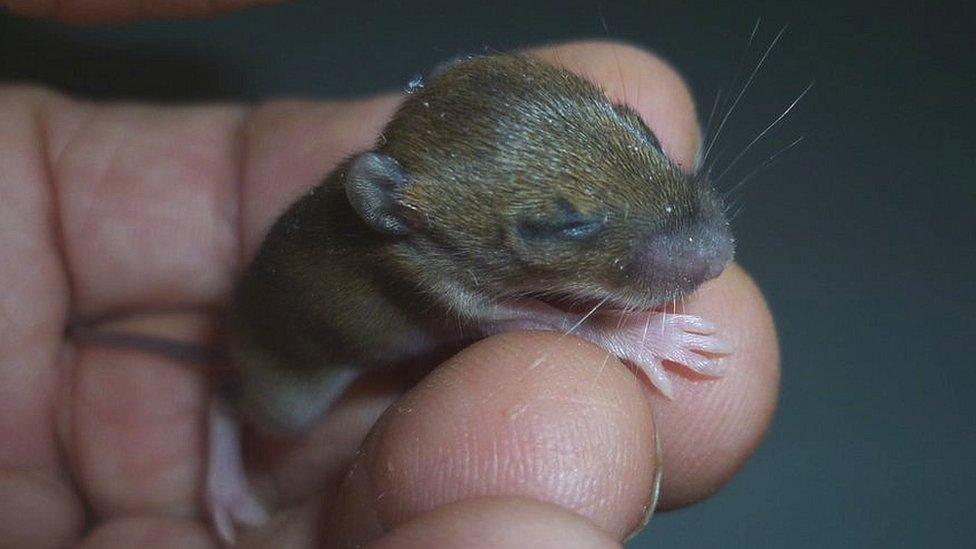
[[496, 522], [110, 209]]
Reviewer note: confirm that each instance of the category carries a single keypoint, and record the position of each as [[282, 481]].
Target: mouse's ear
[[373, 185], [439, 69]]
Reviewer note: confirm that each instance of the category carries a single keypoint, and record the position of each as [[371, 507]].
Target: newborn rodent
[[506, 194]]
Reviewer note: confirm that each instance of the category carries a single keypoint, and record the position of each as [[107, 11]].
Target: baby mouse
[[506, 194]]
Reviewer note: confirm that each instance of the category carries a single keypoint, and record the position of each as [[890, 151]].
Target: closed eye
[[572, 230]]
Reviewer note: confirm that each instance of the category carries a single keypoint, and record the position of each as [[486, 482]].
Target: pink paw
[[228, 496], [230, 506], [647, 340]]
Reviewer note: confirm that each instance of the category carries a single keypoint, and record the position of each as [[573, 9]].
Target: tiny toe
[[658, 376], [708, 344], [698, 363], [251, 512], [693, 324], [224, 526]]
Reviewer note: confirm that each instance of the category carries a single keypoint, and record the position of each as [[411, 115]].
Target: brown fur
[[493, 148]]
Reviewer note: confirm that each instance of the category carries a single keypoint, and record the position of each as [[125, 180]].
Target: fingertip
[[713, 426], [527, 414]]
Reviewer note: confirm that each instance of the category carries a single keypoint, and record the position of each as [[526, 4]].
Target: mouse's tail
[[180, 351]]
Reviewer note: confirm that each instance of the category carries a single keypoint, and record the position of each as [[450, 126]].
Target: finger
[[136, 429], [33, 301], [150, 197], [119, 11], [148, 202], [37, 512], [712, 426], [489, 422], [499, 522], [33, 305], [136, 436], [526, 414]]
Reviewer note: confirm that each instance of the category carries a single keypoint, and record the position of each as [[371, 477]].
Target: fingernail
[[652, 500]]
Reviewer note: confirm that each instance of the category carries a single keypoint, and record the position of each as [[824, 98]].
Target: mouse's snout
[[684, 258]]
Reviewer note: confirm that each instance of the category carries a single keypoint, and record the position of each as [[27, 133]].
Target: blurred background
[[863, 236]]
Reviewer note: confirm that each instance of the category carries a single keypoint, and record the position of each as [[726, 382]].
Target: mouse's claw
[[658, 376], [689, 323]]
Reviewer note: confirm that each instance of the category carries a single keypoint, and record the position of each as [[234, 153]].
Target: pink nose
[[687, 256]]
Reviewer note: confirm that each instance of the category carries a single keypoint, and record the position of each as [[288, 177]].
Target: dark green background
[[863, 237]]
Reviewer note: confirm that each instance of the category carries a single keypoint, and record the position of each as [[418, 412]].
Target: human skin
[[143, 216]]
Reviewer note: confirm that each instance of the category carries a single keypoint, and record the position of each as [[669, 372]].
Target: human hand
[[143, 215]]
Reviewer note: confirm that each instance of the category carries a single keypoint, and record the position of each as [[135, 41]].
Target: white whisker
[[708, 128], [647, 324], [738, 71], [586, 316], [762, 165], [762, 133], [613, 48], [752, 76]]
